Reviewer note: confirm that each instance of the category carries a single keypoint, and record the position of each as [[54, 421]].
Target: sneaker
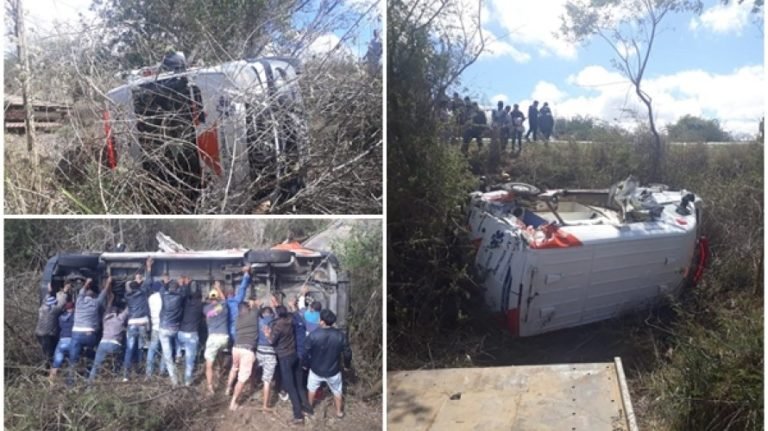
[[125, 379], [309, 411], [283, 396], [299, 422]]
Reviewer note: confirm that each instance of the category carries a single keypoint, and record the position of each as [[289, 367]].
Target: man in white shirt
[[155, 305]]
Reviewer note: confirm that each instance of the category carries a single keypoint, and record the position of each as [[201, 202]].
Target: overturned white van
[[287, 271], [562, 258], [239, 126]]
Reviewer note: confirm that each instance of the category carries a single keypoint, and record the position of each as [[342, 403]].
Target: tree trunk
[[29, 120], [654, 170]]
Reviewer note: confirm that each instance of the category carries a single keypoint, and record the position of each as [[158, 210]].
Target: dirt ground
[[358, 414]]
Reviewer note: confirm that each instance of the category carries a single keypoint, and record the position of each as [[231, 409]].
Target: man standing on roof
[[216, 317], [243, 356], [174, 295], [66, 321], [324, 348], [47, 329], [155, 301], [281, 334], [88, 308], [191, 319], [136, 295], [111, 340]]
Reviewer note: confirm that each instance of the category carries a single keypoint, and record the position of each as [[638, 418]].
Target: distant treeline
[[688, 128]]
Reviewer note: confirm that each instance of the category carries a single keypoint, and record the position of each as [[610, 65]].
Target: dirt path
[[359, 415]]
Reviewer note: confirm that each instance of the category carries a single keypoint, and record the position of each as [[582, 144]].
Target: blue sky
[[709, 65]]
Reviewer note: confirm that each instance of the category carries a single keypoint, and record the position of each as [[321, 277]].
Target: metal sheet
[[547, 397]]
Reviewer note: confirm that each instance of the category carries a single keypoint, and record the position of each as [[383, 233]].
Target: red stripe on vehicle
[[207, 143], [703, 259], [513, 321], [208, 148], [111, 155]]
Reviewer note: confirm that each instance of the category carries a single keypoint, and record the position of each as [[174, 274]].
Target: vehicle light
[[703, 259]]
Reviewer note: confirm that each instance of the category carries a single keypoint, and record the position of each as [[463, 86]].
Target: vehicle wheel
[[268, 256], [521, 189], [79, 260]]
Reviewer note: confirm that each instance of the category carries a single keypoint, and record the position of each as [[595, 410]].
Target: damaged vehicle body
[[285, 271], [237, 130], [563, 258]]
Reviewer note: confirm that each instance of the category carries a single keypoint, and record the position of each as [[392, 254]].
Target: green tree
[[215, 31], [630, 28], [428, 180], [695, 129]]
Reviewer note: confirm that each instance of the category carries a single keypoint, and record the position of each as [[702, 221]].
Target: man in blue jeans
[[66, 321], [191, 318], [88, 308], [281, 335], [136, 294], [111, 341], [174, 295]]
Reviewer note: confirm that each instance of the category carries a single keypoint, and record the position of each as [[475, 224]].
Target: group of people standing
[[470, 122], [169, 316]]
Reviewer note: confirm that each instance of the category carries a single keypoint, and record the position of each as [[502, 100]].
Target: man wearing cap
[[47, 328], [216, 316], [136, 295], [88, 308], [243, 356], [323, 349], [191, 319], [66, 321], [174, 295]]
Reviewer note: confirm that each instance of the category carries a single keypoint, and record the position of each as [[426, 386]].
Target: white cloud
[[503, 97], [326, 43], [547, 92], [498, 48], [732, 98], [532, 25], [723, 19]]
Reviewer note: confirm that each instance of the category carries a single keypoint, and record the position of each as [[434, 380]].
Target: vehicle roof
[[229, 68], [237, 253]]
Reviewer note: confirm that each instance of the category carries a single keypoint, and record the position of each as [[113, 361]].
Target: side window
[[287, 84]]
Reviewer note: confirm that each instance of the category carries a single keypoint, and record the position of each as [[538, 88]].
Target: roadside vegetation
[[65, 171], [693, 364], [31, 403]]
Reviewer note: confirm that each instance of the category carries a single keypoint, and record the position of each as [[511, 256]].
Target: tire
[[79, 261], [522, 189], [268, 256]]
